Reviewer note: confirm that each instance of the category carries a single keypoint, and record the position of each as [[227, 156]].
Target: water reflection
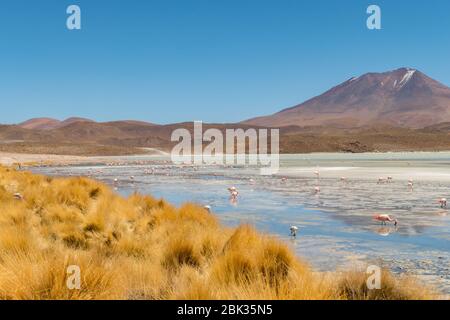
[[385, 231]]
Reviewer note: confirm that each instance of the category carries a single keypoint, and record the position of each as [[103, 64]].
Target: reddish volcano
[[403, 98]]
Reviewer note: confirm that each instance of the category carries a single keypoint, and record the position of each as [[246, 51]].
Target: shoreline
[[36, 160]]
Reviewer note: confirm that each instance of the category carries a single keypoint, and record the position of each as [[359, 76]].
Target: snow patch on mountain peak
[[406, 77]]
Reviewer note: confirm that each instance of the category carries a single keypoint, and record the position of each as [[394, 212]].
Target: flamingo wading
[[384, 218]]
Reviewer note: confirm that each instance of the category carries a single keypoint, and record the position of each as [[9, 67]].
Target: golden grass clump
[[352, 286], [144, 248]]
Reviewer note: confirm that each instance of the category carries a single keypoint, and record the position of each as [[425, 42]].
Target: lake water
[[336, 230]]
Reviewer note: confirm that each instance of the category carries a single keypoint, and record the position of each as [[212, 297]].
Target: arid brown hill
[[49, 123], [128, 137], [401, 110]]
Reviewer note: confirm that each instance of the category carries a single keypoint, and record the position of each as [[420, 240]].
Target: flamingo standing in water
[[293, 230], [443, 202], [383, 218], [233, 192], [317, 189], [232, 189]]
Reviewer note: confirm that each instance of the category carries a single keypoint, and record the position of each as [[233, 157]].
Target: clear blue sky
[[212, 60]]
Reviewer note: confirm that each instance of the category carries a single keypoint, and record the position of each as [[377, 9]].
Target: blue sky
[[212, 60]]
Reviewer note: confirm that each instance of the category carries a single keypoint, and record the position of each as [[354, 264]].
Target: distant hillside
[[40, 123], [127, 137], [400, 110], [49, 123], [403, 98]]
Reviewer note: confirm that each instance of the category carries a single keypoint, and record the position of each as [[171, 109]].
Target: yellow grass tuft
[[140, 247], [352, 285]]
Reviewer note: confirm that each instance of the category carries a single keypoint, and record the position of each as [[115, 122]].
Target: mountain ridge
[[403, 97], [400, 110], [45, 123]]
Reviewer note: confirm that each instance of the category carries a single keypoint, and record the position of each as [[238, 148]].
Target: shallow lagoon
[[336, 227]]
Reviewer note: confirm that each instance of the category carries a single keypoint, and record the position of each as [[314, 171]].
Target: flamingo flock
[[382, 180], [383, 218], [234, 194]]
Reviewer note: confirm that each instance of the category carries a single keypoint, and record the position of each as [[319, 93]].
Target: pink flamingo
[[233, 192], [316, 190], [383, 218], [443, 202], [232, 189]]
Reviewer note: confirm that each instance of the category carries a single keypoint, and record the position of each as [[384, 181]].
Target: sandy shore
[[9, 159], [402, 166]]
